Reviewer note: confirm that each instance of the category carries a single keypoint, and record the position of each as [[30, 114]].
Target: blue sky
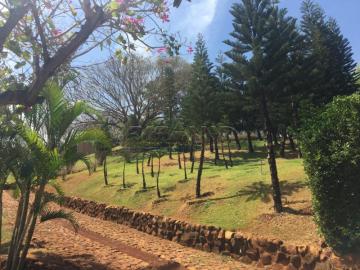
[[212, 18]]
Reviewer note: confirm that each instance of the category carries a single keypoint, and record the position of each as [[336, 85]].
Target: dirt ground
[[104, 245]]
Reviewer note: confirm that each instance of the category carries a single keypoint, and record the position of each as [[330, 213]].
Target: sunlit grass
[[241, 193]]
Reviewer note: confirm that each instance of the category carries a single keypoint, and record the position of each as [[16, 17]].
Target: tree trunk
[[250, 145], [170, 152], [283, 144], [192, 146], [192, 165], [211, 143], [292, 143], [143, 172], [296, 121], [2, 183], [185, 172], [137, 165], [149, 161], [201, 164], [275, 137], [223, 154], [259, 134], [105, 172], [272, 159], [217, 156], [236, 137], [157, 180], [123, 174], [152, 166], [179, 160], [229, 150]]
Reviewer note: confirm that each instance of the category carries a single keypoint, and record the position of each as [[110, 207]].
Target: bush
[[331, 146]]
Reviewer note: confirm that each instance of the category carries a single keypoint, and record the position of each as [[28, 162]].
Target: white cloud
[[193, 18]]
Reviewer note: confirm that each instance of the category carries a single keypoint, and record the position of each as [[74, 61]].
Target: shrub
[[331, 146]]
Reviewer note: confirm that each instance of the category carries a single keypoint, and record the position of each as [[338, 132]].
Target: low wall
[[212, 239]]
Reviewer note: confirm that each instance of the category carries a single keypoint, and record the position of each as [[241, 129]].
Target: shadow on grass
[[262, 191]]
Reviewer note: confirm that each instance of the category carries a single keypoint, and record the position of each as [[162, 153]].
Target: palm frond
[[56, 185], [49, 214]]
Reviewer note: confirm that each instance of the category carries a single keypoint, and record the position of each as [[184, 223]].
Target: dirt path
[[105, 245]]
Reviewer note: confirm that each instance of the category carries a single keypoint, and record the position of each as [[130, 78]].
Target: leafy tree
[[263, 37], [33, 35], [200, 102], [330, 143], [44, 151]]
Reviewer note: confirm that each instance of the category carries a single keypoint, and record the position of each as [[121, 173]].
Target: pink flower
[[161, 50], [135, 21], [190, 50], [56, 32], [165, 17], [120, 2]]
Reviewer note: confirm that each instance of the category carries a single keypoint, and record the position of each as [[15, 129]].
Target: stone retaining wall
[[212, 239]]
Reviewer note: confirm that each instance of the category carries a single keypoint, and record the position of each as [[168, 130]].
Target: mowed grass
[[242, 193]]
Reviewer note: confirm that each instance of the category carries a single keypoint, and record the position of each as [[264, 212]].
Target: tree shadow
[[260, 190], [56, 262]]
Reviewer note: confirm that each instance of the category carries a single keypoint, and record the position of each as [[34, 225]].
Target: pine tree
[[199, 104], [330, 53], [262, 39]]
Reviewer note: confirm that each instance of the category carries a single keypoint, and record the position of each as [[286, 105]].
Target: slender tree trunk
[[237, 140], [272, 159], [137, 165], [105, 172], [250, 145], [192, 148], [143, 172], [217, 156], [275, 137], [34, 215], [170, 152], [259, 134], [223, 153], [292, 143], [123, 174], [157, 180], [283, 144], [2, 184], [201, 164], [296, 121], [192, 164], [184, 159], [152, 166], [149, 161], [211, 143], [95, 165], [179, 160], [229, 150]]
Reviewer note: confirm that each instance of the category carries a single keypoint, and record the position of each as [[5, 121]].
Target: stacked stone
[[210, 238]]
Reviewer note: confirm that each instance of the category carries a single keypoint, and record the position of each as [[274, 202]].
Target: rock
[[295, 260], [229, 235], [253, 254], [266, 258], [291, 267], [282, 258], [245, 259]]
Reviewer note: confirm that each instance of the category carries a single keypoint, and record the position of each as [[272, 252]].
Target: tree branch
[[15, 16], [30, 96]]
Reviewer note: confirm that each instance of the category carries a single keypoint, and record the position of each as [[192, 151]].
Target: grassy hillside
[[241, 200]]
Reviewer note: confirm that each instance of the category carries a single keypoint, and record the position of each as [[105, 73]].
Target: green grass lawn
[[241, 193]]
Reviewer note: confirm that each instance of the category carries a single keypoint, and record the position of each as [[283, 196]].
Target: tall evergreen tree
[[200, 102], [262, 40], [330, 53]]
